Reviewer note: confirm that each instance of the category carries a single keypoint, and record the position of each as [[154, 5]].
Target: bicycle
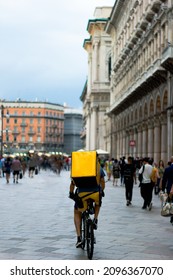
[[87, 229]]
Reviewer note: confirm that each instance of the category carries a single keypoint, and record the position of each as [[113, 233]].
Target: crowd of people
[[15, 167], [156, 178]]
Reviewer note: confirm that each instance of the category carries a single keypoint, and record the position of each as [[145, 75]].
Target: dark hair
[[146, 159]]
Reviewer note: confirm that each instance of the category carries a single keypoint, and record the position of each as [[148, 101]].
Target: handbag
[[140, 176], [36, 171], [20, 175], [167, 209]]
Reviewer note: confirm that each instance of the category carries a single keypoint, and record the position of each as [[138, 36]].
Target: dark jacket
[[129, 171], [167, 180]]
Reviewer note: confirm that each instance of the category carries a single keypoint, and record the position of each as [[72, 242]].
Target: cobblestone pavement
[[36, 223]]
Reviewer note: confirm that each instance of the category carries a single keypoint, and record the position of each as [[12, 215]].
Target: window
[[38, 129], [23, 129], [31, 121], [38, 139], [15, 120], [30, 139], [23, 139]]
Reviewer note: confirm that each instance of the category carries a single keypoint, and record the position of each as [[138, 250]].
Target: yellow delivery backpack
[[85, 168]]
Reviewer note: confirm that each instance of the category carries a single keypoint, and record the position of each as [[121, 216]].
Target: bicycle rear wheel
[[83, 231], [90, 239]]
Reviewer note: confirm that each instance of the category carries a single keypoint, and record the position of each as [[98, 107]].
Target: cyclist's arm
[[72, 186], [102, 183]]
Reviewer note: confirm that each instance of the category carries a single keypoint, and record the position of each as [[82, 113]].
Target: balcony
[[152, 78], [167, 58], [23, 124], [31, 132], [15, 132]]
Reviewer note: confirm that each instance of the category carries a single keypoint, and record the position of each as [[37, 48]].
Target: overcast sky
[[41, 49]]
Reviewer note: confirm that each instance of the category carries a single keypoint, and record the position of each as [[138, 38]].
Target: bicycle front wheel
[[90, 239]]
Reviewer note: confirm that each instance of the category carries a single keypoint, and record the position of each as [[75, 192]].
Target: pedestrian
[[161, 170], [16, 168], [146, 185], [7, 168], [1, 165], [32, 163], [129, 176], [122, 163], [116, 172], [154, 176], [109, 166], [167, 180]]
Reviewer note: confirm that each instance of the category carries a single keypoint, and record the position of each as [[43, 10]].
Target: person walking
[[167, 180], [161, 170], [109, 166], [7, 168], [32, 163], [116, 172], [16, 168], [146, 185], [129, 176]]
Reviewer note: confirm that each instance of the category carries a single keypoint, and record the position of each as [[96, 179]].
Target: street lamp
[[2, 127]]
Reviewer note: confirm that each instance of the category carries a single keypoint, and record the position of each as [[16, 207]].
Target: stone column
[[136, 142], [164, 134], [95, 66], [157, 140], [169, 121], [88, 130], [150, 139], [124, 142], [127, 142], [118, 144], [144, 140], [93, 135], [139, 141]]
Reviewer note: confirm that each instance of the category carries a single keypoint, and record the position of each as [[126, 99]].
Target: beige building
[[142, 79], [96, 92], [139, 118]]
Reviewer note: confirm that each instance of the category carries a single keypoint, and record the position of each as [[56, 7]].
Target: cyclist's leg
[[97, 210], [77, 222]]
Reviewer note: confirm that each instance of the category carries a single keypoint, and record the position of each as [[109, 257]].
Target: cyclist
[[94, 193]]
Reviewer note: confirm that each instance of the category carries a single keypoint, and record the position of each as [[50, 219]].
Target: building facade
[[72, 130], [96, 93], [139, 116], [141, 102], [32, 126]]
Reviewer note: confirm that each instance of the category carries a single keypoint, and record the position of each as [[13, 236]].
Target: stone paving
[[36, 223]]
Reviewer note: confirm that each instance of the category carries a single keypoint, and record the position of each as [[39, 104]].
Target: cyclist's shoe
[[95, 221], [79, 243]]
